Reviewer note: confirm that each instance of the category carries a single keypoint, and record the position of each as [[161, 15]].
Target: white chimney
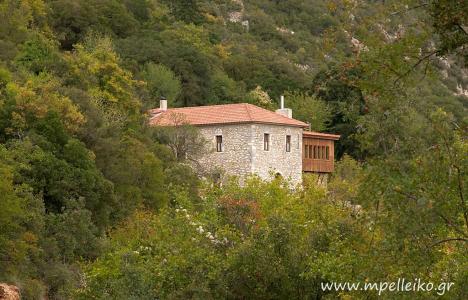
[[163, 104], [287, 112]]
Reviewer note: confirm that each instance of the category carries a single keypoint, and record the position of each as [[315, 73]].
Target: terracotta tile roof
[[220, 114], [327, 136]]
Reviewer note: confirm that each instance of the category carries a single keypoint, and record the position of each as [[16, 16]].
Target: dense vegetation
[[94, 204]]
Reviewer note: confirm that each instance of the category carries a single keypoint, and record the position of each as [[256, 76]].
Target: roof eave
[[254, 122], [324, 136]]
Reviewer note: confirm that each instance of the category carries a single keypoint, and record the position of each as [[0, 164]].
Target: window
[[219, 143], [310, 151], [288, 143], [266, 142], [315, 152], [327, 153], [306, 151]]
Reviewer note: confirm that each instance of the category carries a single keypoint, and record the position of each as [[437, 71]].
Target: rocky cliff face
[[9, 292]]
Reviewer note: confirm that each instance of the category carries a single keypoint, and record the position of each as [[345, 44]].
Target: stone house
[[246, 139]]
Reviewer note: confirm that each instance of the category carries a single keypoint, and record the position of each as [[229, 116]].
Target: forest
[[95, 205]]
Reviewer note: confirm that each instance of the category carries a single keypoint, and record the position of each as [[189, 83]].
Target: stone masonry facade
[[243, 150]]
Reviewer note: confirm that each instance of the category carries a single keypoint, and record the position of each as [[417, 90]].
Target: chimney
[[287, 112], [163, 103]]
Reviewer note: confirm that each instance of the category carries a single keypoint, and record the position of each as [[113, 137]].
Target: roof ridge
[[247, 108], [198, 106], [274, 112]]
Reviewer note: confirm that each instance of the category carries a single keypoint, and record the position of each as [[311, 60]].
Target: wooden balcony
[[318, 152]]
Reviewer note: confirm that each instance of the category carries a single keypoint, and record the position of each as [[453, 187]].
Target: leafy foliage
[[161, 82], [211, 250]]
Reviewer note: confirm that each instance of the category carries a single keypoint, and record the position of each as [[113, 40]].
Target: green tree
[[187, 11], [160, 81], [18, 18], [308, 109], [39, 54], [21, 221], [73, 20], [136, 172], [290, 241], [95, 68], [23, 104], [345, 100]]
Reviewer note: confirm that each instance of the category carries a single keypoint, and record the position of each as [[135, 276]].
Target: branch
[[459, 179], [447, 221], [450, 224], [425, 69], [410, 196], [460, 192], [377, 211], [462, 29], [427, 56], [449, 240], [409, 9], [392, 70]]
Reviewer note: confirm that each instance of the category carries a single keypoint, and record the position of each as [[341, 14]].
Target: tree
[[73, 20], [95, 68], [39, 54], [183, 139], [17, 20], [20, 216], [308, 109], [160, 81], [289, 240], [261, 98], [136, 172], [346, 103], [25, 103], [185, 10]]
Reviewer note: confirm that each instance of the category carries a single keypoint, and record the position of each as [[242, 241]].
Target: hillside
[[94, 203]]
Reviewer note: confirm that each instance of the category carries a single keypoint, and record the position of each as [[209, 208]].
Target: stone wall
[[277, 160], [243, 151], [235, 159]]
